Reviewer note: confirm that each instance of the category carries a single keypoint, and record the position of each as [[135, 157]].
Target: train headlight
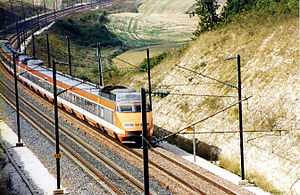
[[128, 125]]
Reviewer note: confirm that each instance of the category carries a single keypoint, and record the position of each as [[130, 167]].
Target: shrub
[[207, 13], [153, 61]]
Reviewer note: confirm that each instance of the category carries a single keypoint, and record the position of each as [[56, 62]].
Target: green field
[[124, 35], [160, 25]]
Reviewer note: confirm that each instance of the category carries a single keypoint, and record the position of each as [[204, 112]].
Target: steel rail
[[159, 168], [153, 165], [129, 151], [188, 169], [156, 166], [94, 173], [100, 157]]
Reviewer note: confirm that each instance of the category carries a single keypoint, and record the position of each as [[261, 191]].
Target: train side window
[[101, 112]]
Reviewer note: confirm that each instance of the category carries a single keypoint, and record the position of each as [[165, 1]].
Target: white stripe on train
[[72, 106]]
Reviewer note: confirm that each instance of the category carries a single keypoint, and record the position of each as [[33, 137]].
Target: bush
[[206, 10], [262, 6], [153, 61], [88, 29], [207, 13]]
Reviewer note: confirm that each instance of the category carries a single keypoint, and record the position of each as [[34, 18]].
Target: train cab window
[[125, 108], [137, 108], [132, 108]]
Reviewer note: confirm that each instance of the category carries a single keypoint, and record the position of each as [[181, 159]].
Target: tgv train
[[113, 110]]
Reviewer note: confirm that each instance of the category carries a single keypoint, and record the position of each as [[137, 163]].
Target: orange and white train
[[113, 110]]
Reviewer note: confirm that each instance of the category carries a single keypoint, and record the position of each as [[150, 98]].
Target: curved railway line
[[198, 183], [193, 186], [32, 115]]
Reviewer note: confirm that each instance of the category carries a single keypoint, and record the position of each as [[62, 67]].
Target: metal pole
[[33, 8], [19, 143], [23, 11], [69, 55], [3, 16], [18, 33], [194, 144], [33, 45], [54, 7], [240, 116], [100, 65], [149, 77], [38, 16], [48, 50], [23, 26], [57, 153], [145, 144], [11, 6], [25, 35], [45, 10], [44, 6]]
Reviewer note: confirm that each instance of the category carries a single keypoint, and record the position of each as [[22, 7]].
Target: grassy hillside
[[159, 24], [149, 7], [85, 31], [12, 10], [269, 50]]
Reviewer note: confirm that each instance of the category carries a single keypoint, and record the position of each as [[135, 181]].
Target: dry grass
[[138, 30], [185, 107], [254, 177], [165, 6], [269, 50], [136, 56], [157, 23]]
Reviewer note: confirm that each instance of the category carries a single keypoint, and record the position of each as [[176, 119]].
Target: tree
[[235, 6], [103, 18], [207, 13]]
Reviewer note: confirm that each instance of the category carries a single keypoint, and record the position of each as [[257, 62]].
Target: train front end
[[128, 116]]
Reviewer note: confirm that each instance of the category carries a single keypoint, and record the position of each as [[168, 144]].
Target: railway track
[[170, 168], [165, 169], [156, 167], [74, 147]]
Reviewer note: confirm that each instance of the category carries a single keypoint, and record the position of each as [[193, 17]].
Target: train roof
[[24, 57], [4, 41], [74, 82], [35, 62], [5, 45]]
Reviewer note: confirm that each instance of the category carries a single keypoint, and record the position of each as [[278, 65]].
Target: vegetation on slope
[[156, 23], [85, 30], [210, 15], [268, 42]]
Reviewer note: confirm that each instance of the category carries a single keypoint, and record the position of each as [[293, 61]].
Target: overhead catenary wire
[[247, 131], [191, 94], [128, 63], [185, 84], [206, 76], [203, 119]]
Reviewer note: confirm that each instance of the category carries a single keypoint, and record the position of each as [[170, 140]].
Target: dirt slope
[[269, 50]]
